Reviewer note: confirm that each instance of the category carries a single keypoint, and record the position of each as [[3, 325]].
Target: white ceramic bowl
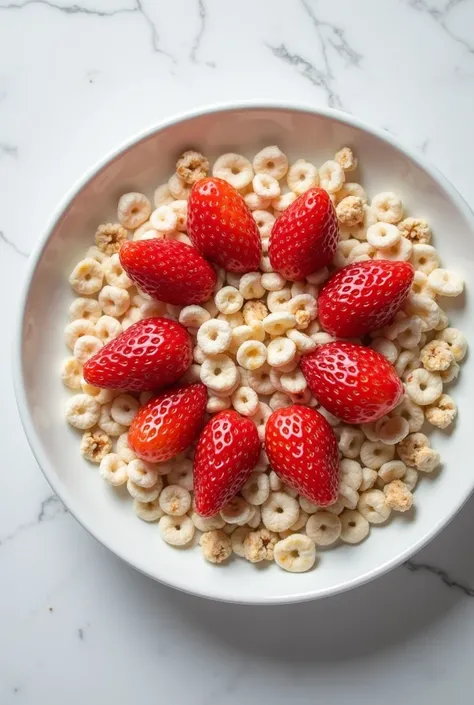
[[140, 165]]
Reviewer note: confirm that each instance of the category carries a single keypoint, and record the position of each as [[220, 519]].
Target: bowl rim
[[48, 469]]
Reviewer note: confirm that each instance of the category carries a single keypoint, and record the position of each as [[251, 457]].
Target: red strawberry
[[221, 226], [305, 236], [169, 270], [168, 423], [226, 453], [356, 384], [364, 296], [150, 354], [302, 449]]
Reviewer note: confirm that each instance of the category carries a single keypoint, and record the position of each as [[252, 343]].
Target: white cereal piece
[[114, 301], [175, 500], [123, 449], [354, 527], [331, 176], [398, 496], [95, 253], [404, 359], [95, 445], [180, 208], [250, 285], [425, 308], [124, 408], [350, 441], [302, 175], [147, 232], [361, 253], [351, 473], [410, 478], [425, 258], [113, 469], [307, 506], [388, 207], [350, 188], [303, 302], [164, 219], [456, 340], [107, 328], [207, 523], [283, 201], [193, 316], [346, 158], [373, 506], [348, 496], [260, 419], [262, 463], [87, 277], [254, 311], [420, 285], [216, 546], [303, 397], [245, 401], [259, 545], [229, 300], [322, 338], [153, 308], [410, 447], [178, 188], [272, 282], [85, 309], [259, 380], [162, 196], [350, 212], [115, 274], [257, 489], [298, 288], [393, 470], [82, 411], [330, 418], [264, 221], [391, 430], [219, 373], [85, 347], [323, 528], [423, 387], [133, 209], [102, 396], [142, 473], [107, 423], [400, 251], [411, 412], [343, 252], [369, 477], [442, 413], [238, 540], [214, 336], [237, 511], [436, 356], [147, 511], [210, 307], [375, 453], [233, 168], [279, 511], [239, 336], [216, 404], [406, 331], [383, 235], [386, 348], [252, 354], [266, 186], [280, 352], [416, 230], [177, 531], [271, 161], [304, 343], [276, 324], [132, 316], [293, 382], [296, 553], [427, 460], [450, 374], [192, 166], [254, 202], [278, 300], [71, 373]]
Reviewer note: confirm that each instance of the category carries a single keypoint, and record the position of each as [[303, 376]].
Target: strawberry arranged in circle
[[305, 236], [356, 384], [302, 449], [150, 354], [226, 453], [168, 423], [168, 270], [364, 296], [222, 227]]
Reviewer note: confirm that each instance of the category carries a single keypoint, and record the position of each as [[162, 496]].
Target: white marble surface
[[76, 624]]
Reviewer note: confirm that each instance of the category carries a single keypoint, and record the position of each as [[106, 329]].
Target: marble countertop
[[76, 78]]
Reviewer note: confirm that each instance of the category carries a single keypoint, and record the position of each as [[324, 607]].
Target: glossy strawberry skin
[[363, 297], [169, 270], [356, 384], [222, 227], [168, 423], [302, 449], [226, 453], [305, 236], [150, 354]]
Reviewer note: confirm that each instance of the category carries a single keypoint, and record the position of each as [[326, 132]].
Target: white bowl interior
[[106, 512]]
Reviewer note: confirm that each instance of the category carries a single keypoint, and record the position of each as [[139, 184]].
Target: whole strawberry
[[168, 423], [226, 453], [356, 384], [150, 354], [302, 449], [364, 296], [168, 270], [305, 236], [221, 226]]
